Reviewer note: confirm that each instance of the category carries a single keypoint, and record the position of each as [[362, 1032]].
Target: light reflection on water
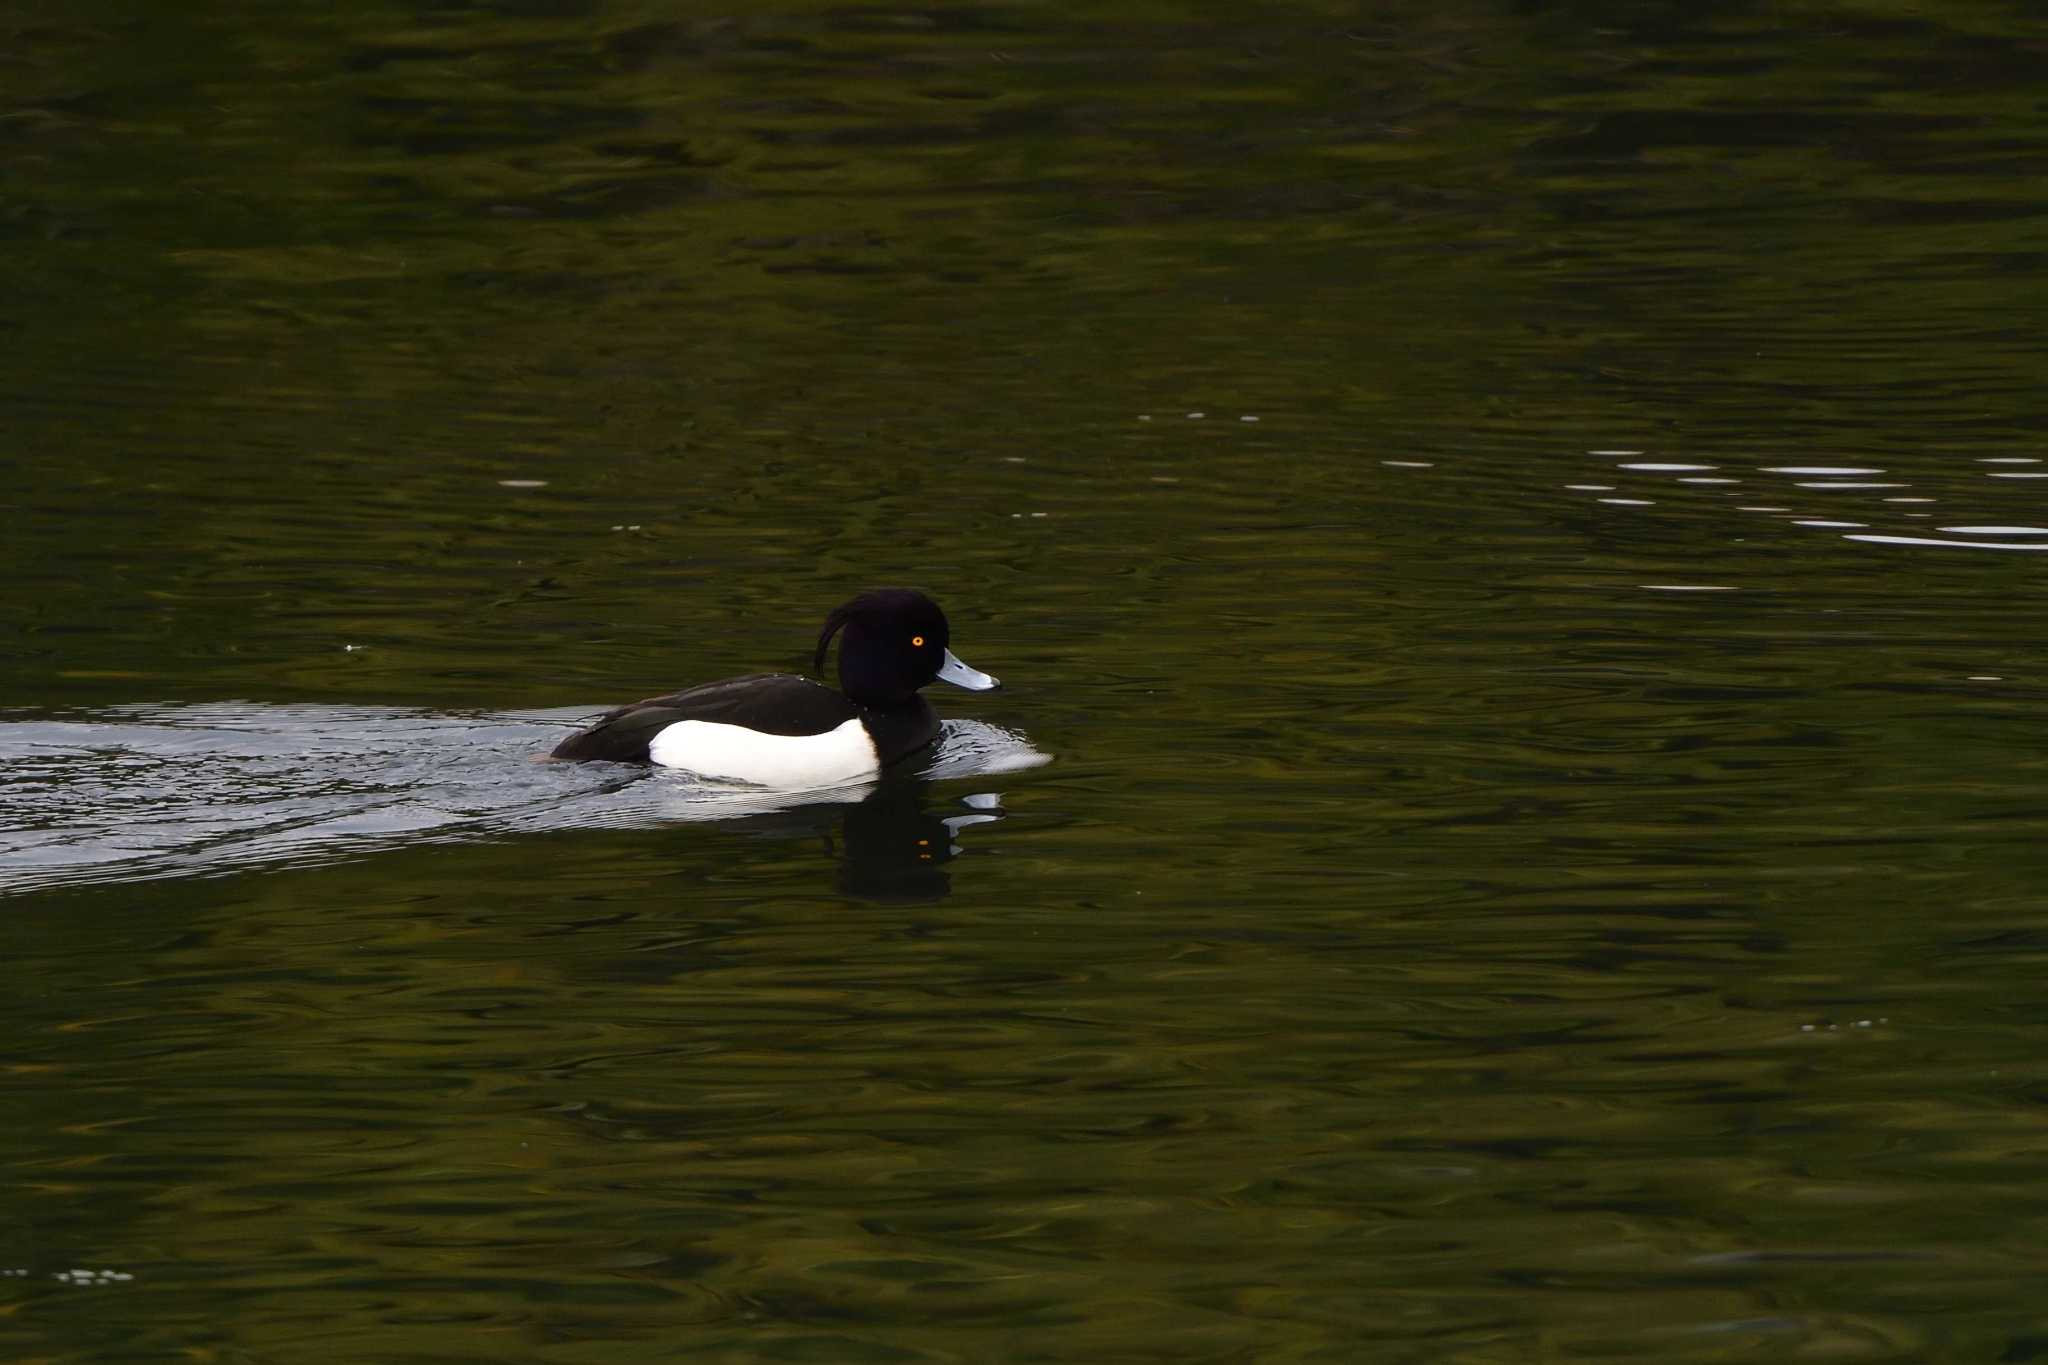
[[1944, 484], [144, 792]]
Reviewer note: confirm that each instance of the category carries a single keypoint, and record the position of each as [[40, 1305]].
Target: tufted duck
[[779, 730]]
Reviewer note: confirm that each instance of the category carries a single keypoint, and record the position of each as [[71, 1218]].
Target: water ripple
[[144, 792]]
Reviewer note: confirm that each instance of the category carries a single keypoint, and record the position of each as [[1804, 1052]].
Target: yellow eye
[[917, 642]]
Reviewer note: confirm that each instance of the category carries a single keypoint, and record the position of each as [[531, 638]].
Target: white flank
[[742, 755]]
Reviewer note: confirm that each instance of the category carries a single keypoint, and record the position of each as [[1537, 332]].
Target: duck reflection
[[891, 843], [891, 847], [891, 837]]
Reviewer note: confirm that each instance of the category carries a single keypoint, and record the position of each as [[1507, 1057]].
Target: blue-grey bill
[[960, 675]]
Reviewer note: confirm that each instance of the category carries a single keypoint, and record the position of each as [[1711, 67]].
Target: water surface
[[1514, 528]]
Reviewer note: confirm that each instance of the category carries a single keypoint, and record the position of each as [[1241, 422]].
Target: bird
[[781, 730]]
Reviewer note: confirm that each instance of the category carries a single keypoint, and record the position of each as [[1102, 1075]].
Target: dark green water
[[1443, 933]]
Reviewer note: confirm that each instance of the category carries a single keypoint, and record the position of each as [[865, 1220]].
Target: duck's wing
[[772, 703]]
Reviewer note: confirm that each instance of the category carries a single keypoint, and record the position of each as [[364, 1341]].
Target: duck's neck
[[901, 729]]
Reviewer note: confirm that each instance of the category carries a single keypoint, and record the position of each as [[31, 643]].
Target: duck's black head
[[894, 643]]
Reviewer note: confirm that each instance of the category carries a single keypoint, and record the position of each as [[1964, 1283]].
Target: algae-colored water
[[1514, 831]]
